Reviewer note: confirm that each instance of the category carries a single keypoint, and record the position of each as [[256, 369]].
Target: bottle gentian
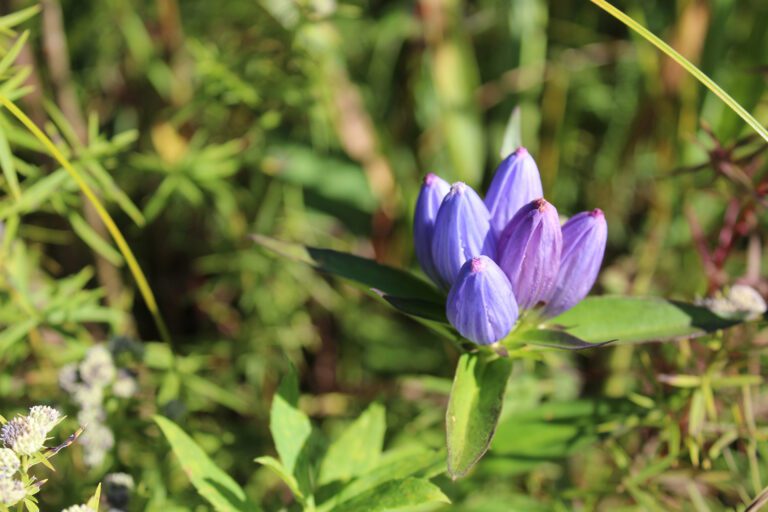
[[584, 238], [508, 255], [462, 231], [481, 304], [516, 183], [432, 192], [529, 252]]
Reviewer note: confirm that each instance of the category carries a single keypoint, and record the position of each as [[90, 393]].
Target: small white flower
[[125, 385], [741, 302], [68, 379], [98, 368], [88, 396], [9, 463], [97, 440], [11, 491], [78, 508], [22, 436], [45, 417]]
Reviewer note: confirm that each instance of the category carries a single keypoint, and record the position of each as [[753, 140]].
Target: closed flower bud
[[9, 463], [516, 183], [584, 238], [11, 491], [462, 231], [481, 305], [22, 436], [529, 252], [433, 190]]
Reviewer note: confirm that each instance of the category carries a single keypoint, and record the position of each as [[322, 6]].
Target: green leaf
[[385, 279], [635, 319], [94, 500], [290, 427], [418, 307], [88, 235], [474, 408], [393, 465], [211, 482], [292, 433], [357, 449], [287, 478], [556, 339], [408, 492]]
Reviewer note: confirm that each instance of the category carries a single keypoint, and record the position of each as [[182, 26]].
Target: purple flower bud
[[462, 231], [529, 252], [433, 190], [481, 305], [584, 238], [516, 183]]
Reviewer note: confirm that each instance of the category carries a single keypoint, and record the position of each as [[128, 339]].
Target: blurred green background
[[201, 123]]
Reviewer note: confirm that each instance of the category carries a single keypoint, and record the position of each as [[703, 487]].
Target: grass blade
[[686, 64], [106, 218]]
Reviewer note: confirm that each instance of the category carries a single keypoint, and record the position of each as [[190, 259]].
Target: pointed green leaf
[[474, 408], [290, 427], [393, 465], [395, 494], [292, 433], [636, 319], [211, 482], [287, 478], [357, 449], [93, 502], [370, 274], [556, 339]]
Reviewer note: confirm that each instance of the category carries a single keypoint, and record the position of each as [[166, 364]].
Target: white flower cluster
[[22, 436], [86, 383], [78, 508], [11, 491]]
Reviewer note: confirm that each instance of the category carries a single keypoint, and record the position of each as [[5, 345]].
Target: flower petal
[[462, 230], [584, 239], [529, 252], [432, 193], [516, 183], [481, 305]]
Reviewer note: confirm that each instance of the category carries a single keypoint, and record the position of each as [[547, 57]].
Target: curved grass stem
[[106, 218], [686, 64]]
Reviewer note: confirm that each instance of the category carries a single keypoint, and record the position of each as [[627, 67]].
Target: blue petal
[[462, 230], [516, 183], [432, 192], [584, 239], [529, 252], [481, 305]]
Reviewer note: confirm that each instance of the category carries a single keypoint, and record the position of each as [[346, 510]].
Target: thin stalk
[[106, 218]]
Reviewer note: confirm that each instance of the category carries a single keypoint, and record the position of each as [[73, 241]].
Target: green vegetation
[[183, 185]]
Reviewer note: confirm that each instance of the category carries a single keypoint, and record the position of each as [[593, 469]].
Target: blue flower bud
[[433, 190], [462, 231], [516, 183], [481, 305], [529, 252], [584, 238]]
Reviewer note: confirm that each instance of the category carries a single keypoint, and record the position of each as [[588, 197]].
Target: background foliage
[[201, 123]]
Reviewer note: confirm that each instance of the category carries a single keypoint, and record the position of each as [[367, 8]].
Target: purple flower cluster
[[507, 254]]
